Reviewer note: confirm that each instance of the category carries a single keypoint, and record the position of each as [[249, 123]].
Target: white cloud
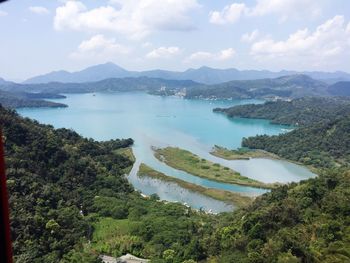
[[147, 44], [286, 8], [283, 8], [3, 13], [250, 37], [229, 14], [40, 10], [99, 47], [200, 56], [163, 52], [136, 18], [327, 44], [226, 54]]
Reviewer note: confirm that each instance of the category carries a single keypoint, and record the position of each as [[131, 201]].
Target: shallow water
[[163, 121]]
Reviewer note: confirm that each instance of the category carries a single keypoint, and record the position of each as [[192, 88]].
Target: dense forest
[[62, 187], [322, 144], [341, 88], [302, 111], [323, 138], [23, 99], [107, 85], [70, 202], [304, 222], [293, 86]]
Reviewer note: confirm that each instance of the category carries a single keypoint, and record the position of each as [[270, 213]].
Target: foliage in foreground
[[63, 186], [53, 174], [304, 222]]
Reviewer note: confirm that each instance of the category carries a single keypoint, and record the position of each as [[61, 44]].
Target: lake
[[171, 121]]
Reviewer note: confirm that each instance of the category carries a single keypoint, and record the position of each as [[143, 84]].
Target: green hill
[[67, 191], [320, 144], [341, 88], [302, 111], [304, 222], [107, 85], [293, 86], [70, 202], [23, 99]]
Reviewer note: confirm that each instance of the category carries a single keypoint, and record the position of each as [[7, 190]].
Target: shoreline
[[188, 162], [235, 199], [242, 154], [231, 155]]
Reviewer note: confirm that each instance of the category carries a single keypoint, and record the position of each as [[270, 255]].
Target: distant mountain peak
[[5, 82], [204, 74], [204, 67], [296, 76]]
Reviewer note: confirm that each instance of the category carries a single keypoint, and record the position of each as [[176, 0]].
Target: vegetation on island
[[297, 112], [193, 164], [241, 153], [236, 199]]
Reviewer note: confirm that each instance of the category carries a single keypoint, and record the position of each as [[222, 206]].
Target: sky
[[41, 36]]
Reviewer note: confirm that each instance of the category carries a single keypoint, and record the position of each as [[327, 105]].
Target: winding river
[[171, 121]]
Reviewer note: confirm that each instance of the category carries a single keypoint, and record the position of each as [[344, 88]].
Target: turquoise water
[[170, 121]]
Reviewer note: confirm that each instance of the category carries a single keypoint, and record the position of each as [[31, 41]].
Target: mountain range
[[205, 75], [292, 86], [106, 85], [5, 82], [285, 87]]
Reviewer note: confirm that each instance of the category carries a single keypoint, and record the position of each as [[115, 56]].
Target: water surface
[[170, 121]]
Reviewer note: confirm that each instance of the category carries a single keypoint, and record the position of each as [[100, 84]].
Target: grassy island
[[222, 195], [241, 153], [186, 161]]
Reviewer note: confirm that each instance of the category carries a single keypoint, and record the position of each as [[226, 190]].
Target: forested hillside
[[293, 86], [66, 190], [52, 175], [320, 144], [341, 88], [23, 99], [323, 138], [107, 85], [304, 222], [303, 111]]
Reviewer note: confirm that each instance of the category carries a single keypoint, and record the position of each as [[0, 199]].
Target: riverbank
[[186, 161], [246, 154], [222, 195], [128, 153], [241, 154]]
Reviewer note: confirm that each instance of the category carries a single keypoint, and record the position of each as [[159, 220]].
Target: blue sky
[[41, 36]]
